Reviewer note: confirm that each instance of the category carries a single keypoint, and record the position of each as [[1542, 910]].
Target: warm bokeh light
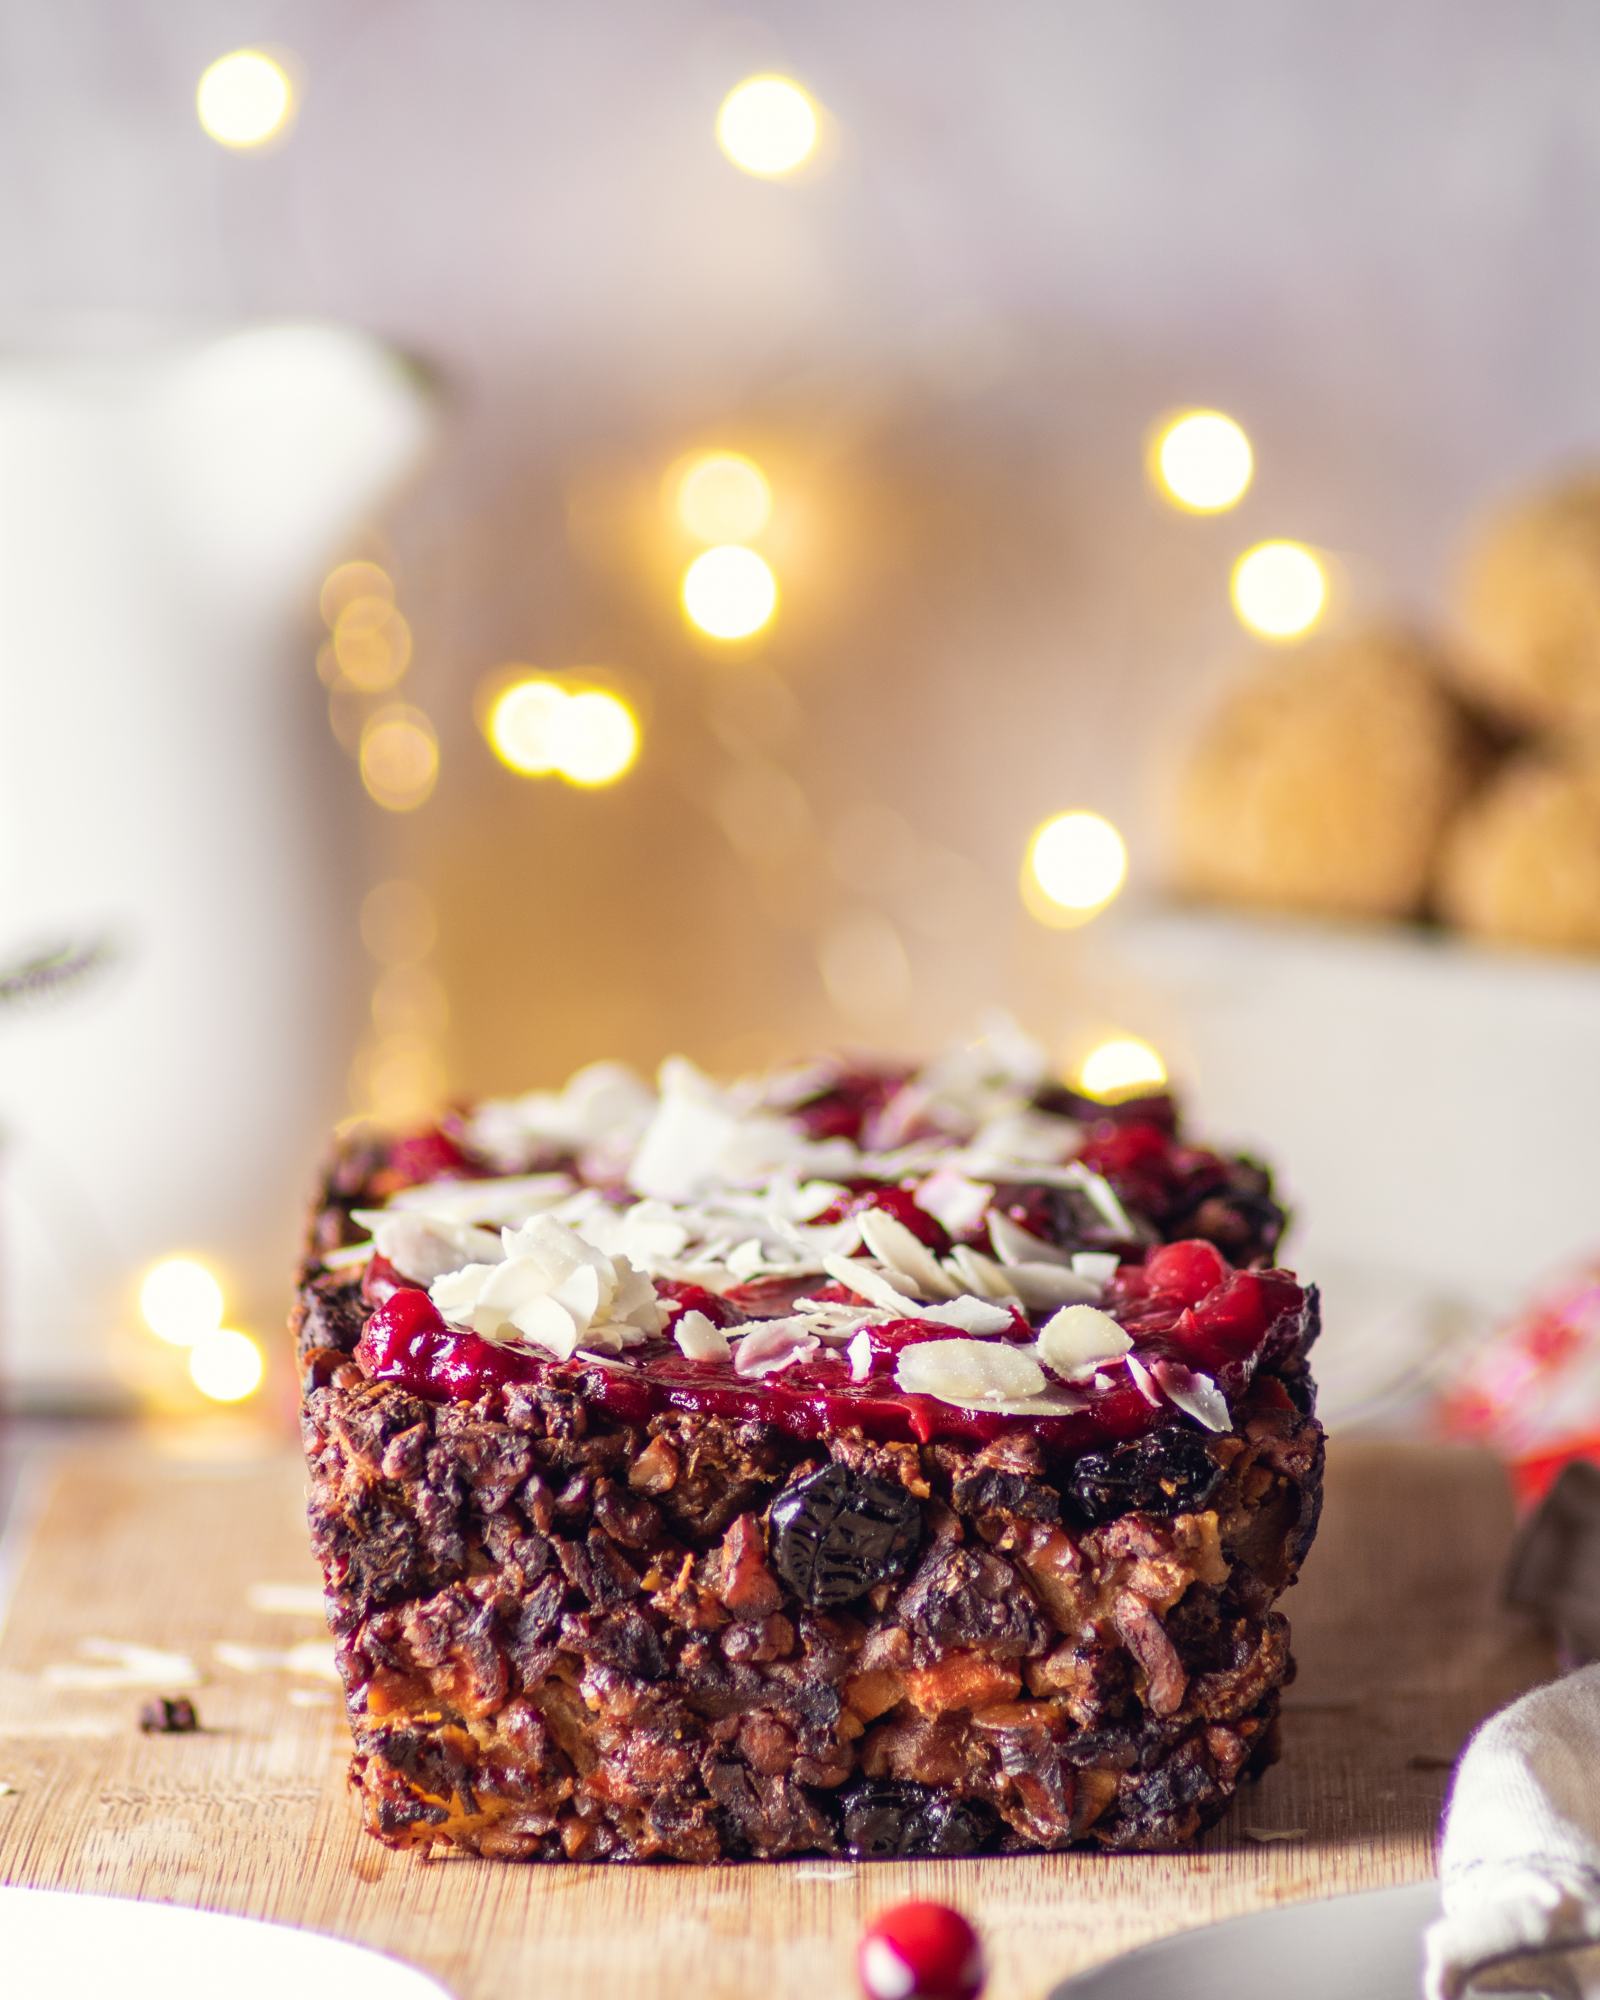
[[1121, 1066], [722, 496], [1075, 864], [399, 925], [768, 125], [1201, 461], [399, 758], [865, 968], [347, 582], [729, 592], [226, 1365], [180, 1300], [521, 726], [1280, 589], [409, 1000], [595, 738], [244, 99], [372, 644], [399, 1079]]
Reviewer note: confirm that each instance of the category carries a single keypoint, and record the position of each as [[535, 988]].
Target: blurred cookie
[[1529, 610], [1324, 780], [1522, 863]]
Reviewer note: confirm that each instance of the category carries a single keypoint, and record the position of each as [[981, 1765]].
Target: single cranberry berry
[[426, 1156], [390, 1339], [920, 1951], [1185, 1271]]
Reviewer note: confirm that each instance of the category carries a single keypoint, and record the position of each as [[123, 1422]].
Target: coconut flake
[[1193, 1393], [777, 1344], [512, 1198], [552, 1288], [424, 1247], [859, 1354], [956, 1203], [969, 1373], [1080, 1339], [1104, 1196], [700, 1338], [1098, 1266]]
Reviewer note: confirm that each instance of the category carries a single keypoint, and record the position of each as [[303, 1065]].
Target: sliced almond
[[973, 1374], [892, 1243], [1080, 1339], [1015, 1245], [980, 1275], [978, 1316], [1193, 1393], [871, 1284]]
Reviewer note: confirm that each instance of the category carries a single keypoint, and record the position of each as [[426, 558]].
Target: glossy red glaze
[[406, 1341]]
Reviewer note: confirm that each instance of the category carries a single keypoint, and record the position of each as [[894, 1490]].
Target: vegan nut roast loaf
[[865, 1461]]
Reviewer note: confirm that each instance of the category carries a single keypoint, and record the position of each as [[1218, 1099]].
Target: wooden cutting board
[[1402, 1643]]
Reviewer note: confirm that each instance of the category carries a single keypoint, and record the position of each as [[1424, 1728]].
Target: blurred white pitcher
[[167, 508]]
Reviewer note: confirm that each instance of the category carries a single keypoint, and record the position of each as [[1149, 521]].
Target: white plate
[[1338, 1948], [72, 1946]]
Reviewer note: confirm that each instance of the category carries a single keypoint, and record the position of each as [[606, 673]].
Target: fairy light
[[1201, 462], [521, 726], [226, 1366], [722, 496], [180, 1301], [768, 125], [1121, 1065], [1279, 589], [371, 644], [729, 592], [244, 99], [399, 758], [347, 582], [1075, 864], [594, 738]]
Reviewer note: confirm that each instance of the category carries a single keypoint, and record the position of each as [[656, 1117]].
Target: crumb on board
[[169, 1715], [1270, 1833]]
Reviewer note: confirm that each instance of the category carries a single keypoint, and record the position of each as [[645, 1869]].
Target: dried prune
[[1167, 1472], [885, 1820], [836, 1533]]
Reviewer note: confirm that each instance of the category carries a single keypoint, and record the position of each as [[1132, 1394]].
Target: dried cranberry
[[843, 1108], [885, 1820], [836, 1533], [682, 1298], [426, 1156], [1185, 1271], [1167, 1472], [920, 1951], [900, 1202]]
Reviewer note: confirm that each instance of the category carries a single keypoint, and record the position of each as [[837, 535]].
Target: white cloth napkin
[[1519, 1869]]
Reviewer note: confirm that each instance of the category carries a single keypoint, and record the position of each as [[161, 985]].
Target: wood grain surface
[[1402, 1643]]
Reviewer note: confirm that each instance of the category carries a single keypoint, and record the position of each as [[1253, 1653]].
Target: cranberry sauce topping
[[1185, 1305]]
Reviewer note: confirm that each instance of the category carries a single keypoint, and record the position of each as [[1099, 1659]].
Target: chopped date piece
[[169, 1715], [837, 1533], [1170, 1471], [652, 1529]]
